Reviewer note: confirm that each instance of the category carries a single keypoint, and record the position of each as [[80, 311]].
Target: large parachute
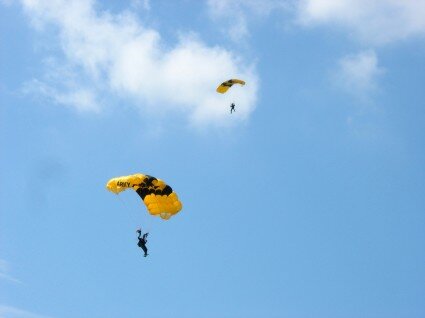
[[159, 198], [224, 87]]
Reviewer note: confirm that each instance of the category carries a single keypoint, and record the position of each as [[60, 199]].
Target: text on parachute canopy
[[123, 184]]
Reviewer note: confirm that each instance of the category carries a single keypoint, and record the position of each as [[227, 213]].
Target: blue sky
[[308, 201]]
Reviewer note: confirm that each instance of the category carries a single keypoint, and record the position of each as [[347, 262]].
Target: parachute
[[224, 87], [159, 198]]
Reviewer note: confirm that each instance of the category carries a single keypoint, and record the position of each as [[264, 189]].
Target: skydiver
[[232, 108], [142, 241]]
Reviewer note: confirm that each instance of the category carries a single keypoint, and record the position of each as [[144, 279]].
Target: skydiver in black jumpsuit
[[142, 242], [232, 108]]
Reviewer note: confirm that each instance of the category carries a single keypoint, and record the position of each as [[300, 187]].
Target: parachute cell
[[159, 198], [224, 87]]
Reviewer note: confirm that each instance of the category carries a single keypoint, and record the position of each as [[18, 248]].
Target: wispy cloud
[[141, 4], [117, 54], [358, 73], [4, 273], [82, 99], [9, 278], [13, 312], [375, 22], [235, 15], [6, 2]]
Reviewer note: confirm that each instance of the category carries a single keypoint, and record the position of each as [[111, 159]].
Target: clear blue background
[[296, 213]]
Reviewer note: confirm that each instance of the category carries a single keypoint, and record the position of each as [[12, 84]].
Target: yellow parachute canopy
[[223, 87], [159, 198]]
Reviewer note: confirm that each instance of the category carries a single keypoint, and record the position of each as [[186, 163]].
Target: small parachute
[[159, 198], [223, 87]]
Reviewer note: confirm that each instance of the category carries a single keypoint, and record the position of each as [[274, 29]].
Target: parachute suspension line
[[135, 215], [146, 219]]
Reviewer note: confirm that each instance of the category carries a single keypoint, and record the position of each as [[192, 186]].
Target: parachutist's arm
[[144, 238]]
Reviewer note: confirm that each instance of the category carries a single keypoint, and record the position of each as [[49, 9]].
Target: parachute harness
[[135, 215]]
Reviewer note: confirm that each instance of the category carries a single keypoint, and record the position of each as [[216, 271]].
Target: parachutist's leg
[[144, 249]]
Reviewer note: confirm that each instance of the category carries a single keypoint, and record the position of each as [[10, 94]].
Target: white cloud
[[13, 312], [373, 21], [117, 54], [358, 73]]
